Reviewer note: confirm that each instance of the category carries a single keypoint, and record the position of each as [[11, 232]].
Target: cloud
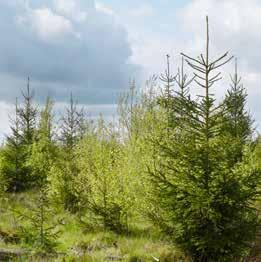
[[46, 25], [76, 10], [105, 9], [93, 48], [64, 45], [234, 26], [142, 11]]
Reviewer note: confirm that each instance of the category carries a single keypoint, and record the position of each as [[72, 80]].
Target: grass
[[77, 243]]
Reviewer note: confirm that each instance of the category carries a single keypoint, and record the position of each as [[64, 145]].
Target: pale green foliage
[[43, 152], [143, 119], [103, 182], [65, 170], [62, 182]]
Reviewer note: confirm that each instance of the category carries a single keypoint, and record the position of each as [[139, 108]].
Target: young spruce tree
[[27, 117], [13, 166], [65, 171], [237, 121], [41, 234], [206, 199], [18, 147]]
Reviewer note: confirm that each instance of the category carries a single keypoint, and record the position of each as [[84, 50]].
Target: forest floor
[[78, 242], [75, 242]]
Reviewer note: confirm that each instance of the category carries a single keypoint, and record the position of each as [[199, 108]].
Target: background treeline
[[187, 164]]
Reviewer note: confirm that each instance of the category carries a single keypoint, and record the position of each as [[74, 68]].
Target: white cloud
[[72, 9], [105, 9], [233, 23], [151, 52], [65, 6], [46, 24], [142, 11], [234, 27]]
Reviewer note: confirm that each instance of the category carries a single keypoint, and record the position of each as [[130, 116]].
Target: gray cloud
[[64, 45]]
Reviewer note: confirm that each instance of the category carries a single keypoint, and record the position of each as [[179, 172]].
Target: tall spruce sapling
[[168, 79], [230, 196], [206, 202], [237, 121], [11, 155], [183, 105], [42, 233], [167, 96], [206, 113], [15, 154], [23, 135], [16, 151], [173, 100], [73, 128], [176, 105], [27, 115], [183, 81]]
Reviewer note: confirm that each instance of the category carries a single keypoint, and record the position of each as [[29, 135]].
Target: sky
[[93, 48]]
